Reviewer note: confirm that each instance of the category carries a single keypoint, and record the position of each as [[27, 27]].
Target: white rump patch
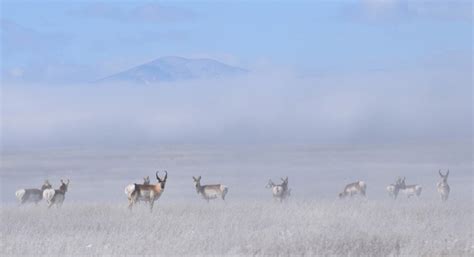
[[129, 189], [48, 194], [20, 193]]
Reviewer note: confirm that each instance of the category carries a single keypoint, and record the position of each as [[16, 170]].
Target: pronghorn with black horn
[[443, 187], [209, 192], [150, 192], [394, 189], [358, 187], [410, 190], [32, 195], [56, 196], [280, 192]]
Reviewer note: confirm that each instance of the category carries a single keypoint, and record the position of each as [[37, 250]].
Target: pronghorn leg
[[130, 204], [151, 206]]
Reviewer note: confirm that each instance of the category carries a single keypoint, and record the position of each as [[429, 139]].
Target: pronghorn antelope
[[209, 192], [280, 192], [358, 187], [56, 196], [410, 190], [149, 192], [129, 189], [32, 194], [443, 187], [394, 189]]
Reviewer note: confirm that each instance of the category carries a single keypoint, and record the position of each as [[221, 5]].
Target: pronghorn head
[[197, 183], [402, 183], [444, 177], [46, 185], [284, 181], [64, 185], [162, 181], [146, 180]]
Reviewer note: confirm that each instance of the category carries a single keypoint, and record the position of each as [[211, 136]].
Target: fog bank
[[380, 107]]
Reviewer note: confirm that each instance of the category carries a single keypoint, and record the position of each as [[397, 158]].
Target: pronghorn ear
[[194, 178]]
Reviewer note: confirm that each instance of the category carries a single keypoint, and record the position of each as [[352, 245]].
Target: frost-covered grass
[[238, 228]]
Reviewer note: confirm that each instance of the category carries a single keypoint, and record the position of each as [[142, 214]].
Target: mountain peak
[[175, 68]]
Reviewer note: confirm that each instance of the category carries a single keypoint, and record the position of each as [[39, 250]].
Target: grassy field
[[297, 228], [94, 220]]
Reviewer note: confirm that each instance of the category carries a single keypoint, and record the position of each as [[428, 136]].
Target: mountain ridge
[[174, 68]]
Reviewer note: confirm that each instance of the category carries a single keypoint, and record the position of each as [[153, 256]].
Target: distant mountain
[[174, 68]]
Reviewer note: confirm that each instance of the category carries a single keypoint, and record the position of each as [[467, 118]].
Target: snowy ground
[[298, 228], [95, 221]]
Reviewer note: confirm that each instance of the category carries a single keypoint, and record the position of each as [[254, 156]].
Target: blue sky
[[78, 41]]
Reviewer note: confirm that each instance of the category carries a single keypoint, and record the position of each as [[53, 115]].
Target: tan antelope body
[[394, 189], [145, 196], [410, 190], [356, 188], [56, 196], [443, 187], [209, 192], [149, 192], [280, 192], [32, 195]]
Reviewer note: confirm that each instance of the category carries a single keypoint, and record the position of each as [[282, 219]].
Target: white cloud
[[364, 107]]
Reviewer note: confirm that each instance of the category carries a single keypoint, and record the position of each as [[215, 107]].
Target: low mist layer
[[271, 108]]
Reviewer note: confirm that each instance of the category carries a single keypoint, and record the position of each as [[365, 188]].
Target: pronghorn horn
[[166, 175], [441, 174], [157, 177], [67, 182]]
